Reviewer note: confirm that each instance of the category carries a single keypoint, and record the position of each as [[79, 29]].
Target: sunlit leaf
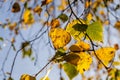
[[1, 39], [63, 5], [87, 4], [28, 17], [111, 73], [45, 2], [55, 23], [107, 22], [79, 46], [75, 33], [63, 17], [27, 77], [70, 70], [116, 63], [26, 49], [95, 31], [114, 74], [15, 7], [102, 12], [84, 62], [106, 54], [89, 17], [37, 10], [59, 37]]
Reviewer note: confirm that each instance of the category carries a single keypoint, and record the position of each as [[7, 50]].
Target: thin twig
[[43, 68], [3, 65], [94, 50], [73, 12]]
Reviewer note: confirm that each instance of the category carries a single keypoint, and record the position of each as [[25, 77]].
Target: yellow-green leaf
[[72, 30], [95, 31], [59, 37], [70, 70], [27, 77]]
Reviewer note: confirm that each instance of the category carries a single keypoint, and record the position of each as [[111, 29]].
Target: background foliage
[[70, 39]]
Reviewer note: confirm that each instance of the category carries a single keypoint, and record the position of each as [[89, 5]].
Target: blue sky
[[44, 52]]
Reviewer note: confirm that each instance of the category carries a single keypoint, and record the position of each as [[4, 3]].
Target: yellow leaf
[[59, 37], [62, 5], [105, 54], [79, 46], [28, 17], [22, 0], [116, 63], [106, 22], [84, 62], [117, 25], [102, 12], [55, 23], [89, 17], [87, 4], [27, 77], [37, 9]]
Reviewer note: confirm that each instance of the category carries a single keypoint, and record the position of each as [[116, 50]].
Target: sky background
[[44, 53]]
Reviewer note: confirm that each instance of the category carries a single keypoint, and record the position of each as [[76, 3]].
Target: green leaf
[[95, 31], [63, 17], [80, 27], [59, 55], [60, 52], [72, 58], [70, 70], [1, 39]]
